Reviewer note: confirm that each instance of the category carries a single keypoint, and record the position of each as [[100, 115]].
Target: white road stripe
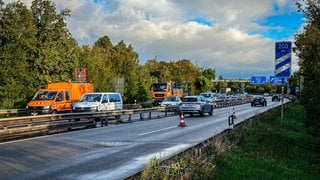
[[157, 130]]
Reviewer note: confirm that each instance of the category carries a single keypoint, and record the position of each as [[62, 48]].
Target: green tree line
[[307, 47], [36, 47]]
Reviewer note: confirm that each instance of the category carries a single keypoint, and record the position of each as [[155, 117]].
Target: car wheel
[[211, 111], [202, 112], [54, 112], [117, 117]]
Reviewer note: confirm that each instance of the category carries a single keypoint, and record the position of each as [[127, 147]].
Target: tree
[[17, 50], [308, 50], [55, 59], [209, 73], [125, 61], [294, 82], [103, 42], [202, 84], [99, 68], [153, 70]]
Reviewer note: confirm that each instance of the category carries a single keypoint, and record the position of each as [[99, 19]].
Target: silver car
[[171, 101], [195, 105]]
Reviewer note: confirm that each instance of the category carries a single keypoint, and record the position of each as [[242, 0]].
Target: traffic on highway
[[116, 151]]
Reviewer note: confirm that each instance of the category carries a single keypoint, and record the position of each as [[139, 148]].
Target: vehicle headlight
[[46, 107], [94, 108]]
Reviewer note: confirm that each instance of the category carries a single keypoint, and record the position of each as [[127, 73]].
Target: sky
[[234, 37]]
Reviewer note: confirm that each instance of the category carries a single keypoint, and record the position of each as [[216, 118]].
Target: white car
[[98, 102], [211, 97]]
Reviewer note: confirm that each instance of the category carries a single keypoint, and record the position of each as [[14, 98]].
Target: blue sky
[[288, 25], [237, 38]]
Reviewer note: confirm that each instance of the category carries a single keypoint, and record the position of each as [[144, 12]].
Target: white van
[[211, 97], [99, 101]]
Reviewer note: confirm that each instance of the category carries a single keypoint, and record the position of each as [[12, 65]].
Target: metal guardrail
[[27, 126], [9, 112], [21, 112], [217, 104]]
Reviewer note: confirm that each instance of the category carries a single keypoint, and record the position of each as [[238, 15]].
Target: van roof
[[103, 93]]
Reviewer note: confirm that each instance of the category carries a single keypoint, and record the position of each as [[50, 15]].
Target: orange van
[[57, 97]]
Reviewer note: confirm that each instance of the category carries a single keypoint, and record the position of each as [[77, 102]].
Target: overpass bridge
[[232, 80], [242, 81]]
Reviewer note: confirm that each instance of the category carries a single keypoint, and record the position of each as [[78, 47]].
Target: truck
[[57, 97], [161, 90], [225, 90]]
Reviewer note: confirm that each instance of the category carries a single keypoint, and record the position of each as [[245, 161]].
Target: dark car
[[276, 98], [259, 100], [195, 105]]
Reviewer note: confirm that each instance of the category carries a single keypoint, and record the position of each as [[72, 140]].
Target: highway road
[[114, 151]]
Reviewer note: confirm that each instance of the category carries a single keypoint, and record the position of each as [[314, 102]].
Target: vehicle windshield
[[206, 95], [90, 98], [189, 99], [171, 98], [221, 97], [45, 95], [159, 87], [258, 97]]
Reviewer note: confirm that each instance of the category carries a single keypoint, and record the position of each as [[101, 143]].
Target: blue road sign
[[283, 59], [277, 81], [258, 79], [272, 80]]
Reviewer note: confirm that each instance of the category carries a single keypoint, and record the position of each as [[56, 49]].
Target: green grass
[[271, 150]]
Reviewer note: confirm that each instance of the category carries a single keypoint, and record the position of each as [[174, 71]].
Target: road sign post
[[282, 65]]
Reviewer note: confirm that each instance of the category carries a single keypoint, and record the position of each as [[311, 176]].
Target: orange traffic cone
[[182, 123]]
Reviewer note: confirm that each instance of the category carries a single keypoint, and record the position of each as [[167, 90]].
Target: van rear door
[[115, 101]]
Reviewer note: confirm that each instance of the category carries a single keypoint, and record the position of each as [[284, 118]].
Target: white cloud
[[164, 29]]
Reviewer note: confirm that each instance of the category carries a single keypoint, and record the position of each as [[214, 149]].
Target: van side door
[[59, 102], [104, 102], [68, 103], [112, 101]]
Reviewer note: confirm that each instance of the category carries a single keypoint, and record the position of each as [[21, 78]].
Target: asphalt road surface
[[114, 151]]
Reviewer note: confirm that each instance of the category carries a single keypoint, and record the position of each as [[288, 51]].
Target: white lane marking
[[157, 130]]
